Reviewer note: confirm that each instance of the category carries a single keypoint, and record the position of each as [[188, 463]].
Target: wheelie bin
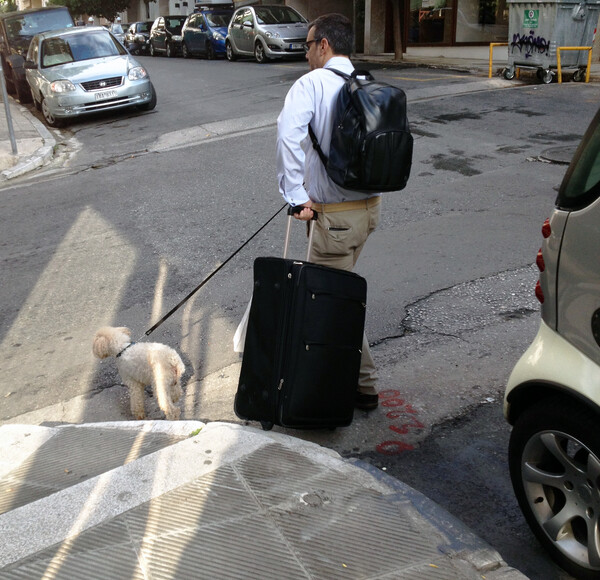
[[537, 29]]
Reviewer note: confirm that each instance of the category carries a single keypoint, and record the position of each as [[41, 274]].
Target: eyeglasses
[[307, 44]]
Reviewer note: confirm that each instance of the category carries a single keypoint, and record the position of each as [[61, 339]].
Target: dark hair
[[337, 29]]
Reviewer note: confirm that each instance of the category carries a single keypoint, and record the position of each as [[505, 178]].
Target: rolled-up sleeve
[[292, 131]]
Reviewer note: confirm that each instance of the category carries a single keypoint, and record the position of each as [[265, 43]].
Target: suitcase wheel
[[266, 425]]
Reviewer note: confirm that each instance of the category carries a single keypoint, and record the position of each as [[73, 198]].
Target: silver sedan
[[75, 71]]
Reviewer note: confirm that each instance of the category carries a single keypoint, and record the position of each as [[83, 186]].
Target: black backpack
[[371, 145]]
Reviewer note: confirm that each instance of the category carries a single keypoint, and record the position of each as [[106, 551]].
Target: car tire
[[169, 50], [152, 50], [231, 56], [210, 51], [185, 52], [151, 104], [259, 53], [50, 119], [554, 460]]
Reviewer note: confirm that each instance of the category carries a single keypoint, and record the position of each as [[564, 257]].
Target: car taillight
[[546, 229], [539, 260], [539, 293]]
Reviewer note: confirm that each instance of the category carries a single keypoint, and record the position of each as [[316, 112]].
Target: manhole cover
[[562, 155]]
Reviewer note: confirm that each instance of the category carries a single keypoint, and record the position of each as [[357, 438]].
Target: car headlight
[[270, 34], [218, 36], [63, 86], [177, 37], [137, 73]]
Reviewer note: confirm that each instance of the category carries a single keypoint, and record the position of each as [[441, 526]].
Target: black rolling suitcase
[[303, 344]]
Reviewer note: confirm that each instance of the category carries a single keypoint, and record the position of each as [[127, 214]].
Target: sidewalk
[[159, 499], [33, 141]]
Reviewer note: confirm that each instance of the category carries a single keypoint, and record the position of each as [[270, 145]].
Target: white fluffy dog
[[141, 364]]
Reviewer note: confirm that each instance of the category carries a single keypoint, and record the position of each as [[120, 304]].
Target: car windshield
[[78, 47], [581, 185], [174, 24], [143, 27], [218, 19], [26, 26], [277, 15]]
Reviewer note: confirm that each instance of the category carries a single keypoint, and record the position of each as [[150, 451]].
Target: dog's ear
[[124, 330], [100, 346]]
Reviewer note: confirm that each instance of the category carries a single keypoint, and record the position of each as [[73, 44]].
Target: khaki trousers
[[340, 233]]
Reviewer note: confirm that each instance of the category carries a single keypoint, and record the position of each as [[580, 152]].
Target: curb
[[37, 159]]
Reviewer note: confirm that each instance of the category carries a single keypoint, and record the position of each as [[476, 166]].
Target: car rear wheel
[[229, 51], [185, 51], [51, 120], [170, 50], [554, 459], [152, 51], [259, 53], [210, 51]]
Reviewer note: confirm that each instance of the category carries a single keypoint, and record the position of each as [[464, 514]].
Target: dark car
[[553, 394], [137, 37], [204, 33], [16, 31], [165, 35]]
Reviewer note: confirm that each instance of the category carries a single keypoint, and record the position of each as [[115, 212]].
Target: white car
[[553, 394], [76, 71]]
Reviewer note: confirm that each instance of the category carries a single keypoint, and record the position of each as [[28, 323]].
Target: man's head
[[329, 35]]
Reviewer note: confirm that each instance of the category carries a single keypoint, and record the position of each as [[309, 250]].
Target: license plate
[[296, 46], [102, 95]]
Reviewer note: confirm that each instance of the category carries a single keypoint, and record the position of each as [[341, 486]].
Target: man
[[346, 218]]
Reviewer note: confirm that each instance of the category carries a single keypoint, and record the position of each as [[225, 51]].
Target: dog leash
[[173, 310]]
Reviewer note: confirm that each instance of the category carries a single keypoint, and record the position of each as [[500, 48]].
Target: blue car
[[204, 33]]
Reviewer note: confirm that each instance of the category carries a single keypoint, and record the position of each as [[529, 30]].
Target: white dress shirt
[[300, 171]]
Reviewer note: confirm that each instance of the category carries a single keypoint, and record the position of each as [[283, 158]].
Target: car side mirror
[[29, 64]]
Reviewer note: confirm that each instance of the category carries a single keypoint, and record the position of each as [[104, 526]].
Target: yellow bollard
[[589, 63], [492, 44]]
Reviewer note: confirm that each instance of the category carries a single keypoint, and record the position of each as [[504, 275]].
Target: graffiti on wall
[[530, 44]]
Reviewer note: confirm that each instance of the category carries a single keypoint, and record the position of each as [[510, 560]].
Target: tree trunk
[[397, 30]]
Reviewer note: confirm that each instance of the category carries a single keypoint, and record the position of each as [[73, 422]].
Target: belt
[[347, 205]]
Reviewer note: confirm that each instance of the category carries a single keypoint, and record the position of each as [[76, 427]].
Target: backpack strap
[[316, 145]]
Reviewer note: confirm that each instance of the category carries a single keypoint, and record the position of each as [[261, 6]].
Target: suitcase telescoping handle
[[291, 211]]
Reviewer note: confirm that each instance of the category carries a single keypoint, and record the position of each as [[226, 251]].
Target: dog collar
[[130, 344]]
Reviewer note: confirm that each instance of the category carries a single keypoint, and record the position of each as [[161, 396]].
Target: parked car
[[165, 35], [118, 31], [137, 37], [16, 31], [77, 71], [552, 397], [204, 33], [266, 32]]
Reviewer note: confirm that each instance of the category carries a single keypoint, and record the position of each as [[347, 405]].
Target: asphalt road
[[138, 209]]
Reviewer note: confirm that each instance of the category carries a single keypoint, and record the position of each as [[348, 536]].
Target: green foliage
[[8, 6], [100, 8]]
